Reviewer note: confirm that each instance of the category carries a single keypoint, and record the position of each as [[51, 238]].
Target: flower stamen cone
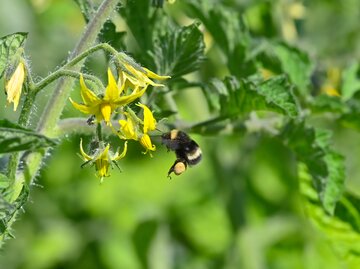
[[102, 158]]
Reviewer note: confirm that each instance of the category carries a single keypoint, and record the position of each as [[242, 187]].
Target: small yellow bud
[[14, 85]]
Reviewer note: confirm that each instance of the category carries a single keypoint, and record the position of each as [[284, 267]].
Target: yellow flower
[[145, 141], [102, 158], [137, 75], [103, 107], [149, 120], [129, 128], [13, 86]]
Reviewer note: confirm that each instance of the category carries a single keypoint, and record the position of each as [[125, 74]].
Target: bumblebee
[[187, 151]]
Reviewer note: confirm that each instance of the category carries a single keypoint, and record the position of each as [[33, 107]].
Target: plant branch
[[62, 91], [66, 73]]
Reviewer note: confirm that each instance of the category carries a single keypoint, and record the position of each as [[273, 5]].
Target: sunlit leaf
[[341, 229], [326, 167]]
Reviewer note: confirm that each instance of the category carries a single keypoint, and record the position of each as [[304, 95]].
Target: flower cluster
[[133, 81]]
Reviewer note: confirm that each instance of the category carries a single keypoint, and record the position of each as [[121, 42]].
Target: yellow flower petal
[[149, 120], [141, 76], [127, 129], [112, 91], [102, 168], [151, 74], [84, 108], [85, 156], [123, 100], [87, 95], [146, 143], [106, 111], [102, 163], [105, 154], [122, 155], [13, 87]]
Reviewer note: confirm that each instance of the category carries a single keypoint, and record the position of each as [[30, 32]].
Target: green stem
[[102, 46], [66, 73], [23, 121], [57, 102], [99, 132]]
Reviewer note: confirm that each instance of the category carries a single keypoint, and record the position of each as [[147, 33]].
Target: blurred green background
[[239, 208]]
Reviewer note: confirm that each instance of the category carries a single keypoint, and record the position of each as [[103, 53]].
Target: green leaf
[[230, 33], [9, 212], [138, 19], [296, 64], [16, 138], [9, 46], [4, 182], [240, 97], [334, 185], [277, 90], [350, 81], [179, 52], [312, 147], [341, 229]]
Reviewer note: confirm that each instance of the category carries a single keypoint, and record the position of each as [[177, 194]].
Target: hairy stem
[[102, 46], [23, 121], [66, 73]]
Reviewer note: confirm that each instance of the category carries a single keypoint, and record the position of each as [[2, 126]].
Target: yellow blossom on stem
[[127, 128], [138, 75], [14, 85], [131, 128], [145, 141], [102, 158], [103, 107], [149, 120]]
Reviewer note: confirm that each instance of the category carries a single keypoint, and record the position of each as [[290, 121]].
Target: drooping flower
[[102, 158], [145, 141], [138, 75], [149, 120], [14, 84], [103, 107], [127, 128], [135, 129]]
